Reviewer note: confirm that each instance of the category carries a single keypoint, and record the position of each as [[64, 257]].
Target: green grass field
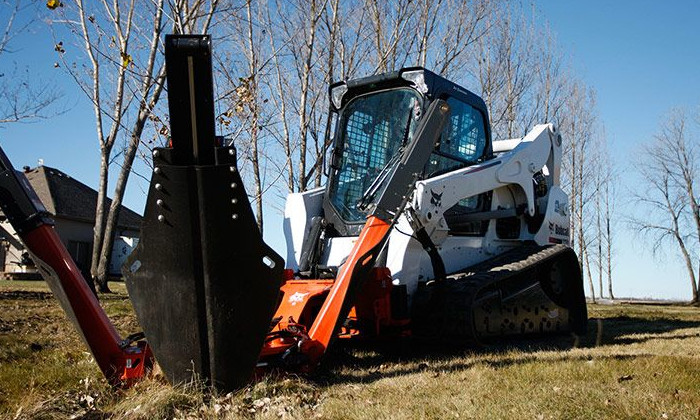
[[638, 361]]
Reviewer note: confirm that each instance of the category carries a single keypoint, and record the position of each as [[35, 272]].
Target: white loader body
[[509, 178]]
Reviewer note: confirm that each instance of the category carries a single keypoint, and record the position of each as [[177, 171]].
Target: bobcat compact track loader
[[426, 228]]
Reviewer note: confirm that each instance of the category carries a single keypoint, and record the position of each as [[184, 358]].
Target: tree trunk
[[99, 229], [588, 270], [304, 118], [286, 137], [609, 259], [608, 228], [600, 236], [254, 120], [129, 156], [689, 267], [320, 158]]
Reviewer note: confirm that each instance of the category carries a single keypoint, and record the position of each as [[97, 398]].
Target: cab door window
[[463, 140]]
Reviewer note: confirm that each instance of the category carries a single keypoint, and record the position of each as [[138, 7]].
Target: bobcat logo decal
[[435, 199], [297, 298], [560, 208]]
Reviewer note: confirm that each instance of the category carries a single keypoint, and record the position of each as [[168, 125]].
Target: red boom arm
[[120, 361]]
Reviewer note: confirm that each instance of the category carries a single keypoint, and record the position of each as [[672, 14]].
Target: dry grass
[[638, 362]]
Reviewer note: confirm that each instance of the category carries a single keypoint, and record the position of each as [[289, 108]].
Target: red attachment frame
[[120, 362], [317, 305], [323, 328], [371, 314]]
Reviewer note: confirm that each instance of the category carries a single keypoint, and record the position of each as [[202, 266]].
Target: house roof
[[64, 196]]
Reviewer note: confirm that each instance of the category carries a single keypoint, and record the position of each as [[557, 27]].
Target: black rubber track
[[452, 309]]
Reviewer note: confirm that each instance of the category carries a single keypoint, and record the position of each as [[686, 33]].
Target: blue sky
[[642, 58]]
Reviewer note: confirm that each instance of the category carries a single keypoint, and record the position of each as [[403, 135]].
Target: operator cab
[[376, 116]]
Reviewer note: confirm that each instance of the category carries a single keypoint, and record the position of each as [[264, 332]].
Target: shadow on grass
[[367, 361], [629, 330], [371, 368], [23, 295]]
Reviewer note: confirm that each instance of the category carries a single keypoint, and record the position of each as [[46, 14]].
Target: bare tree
[[390, 23], [604, 179], [598, 176], [670, 168], [505, 71], [609, 200], [243, 92], [460, 26], [302, 92], [245, 44], [578, 125], [679, 147], [21, 99], [279, 87], [604, 198], [124, 79], [550, 86], [352, 41], [666, 226]]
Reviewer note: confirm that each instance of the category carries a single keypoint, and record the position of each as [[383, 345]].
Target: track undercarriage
[[521, 292]]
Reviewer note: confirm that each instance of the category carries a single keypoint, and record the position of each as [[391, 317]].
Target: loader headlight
[[337, 93], [417, 77]]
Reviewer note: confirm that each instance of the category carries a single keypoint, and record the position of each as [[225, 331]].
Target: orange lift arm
[[391, 193]]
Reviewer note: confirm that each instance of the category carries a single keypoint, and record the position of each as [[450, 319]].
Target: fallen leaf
[[260, 403], [88, 399], [53, 4], [126, 59]]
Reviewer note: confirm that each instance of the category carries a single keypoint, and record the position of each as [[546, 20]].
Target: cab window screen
[[373, 130], [463, 141]]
